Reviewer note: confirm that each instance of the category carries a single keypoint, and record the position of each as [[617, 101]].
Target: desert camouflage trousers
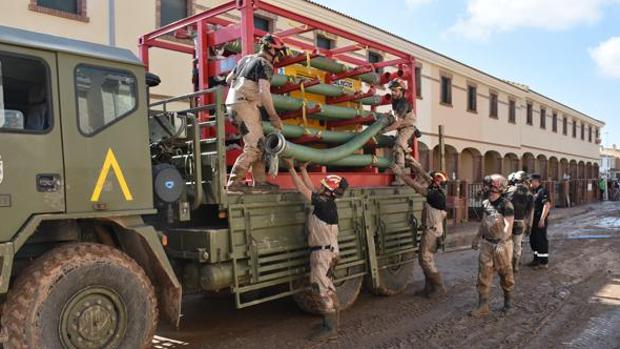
[[495, 258], [246, 116]]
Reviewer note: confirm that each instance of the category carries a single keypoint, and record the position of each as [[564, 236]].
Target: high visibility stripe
[[541, 254]]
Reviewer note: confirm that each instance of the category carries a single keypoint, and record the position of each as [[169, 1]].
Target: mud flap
[[148, 251]]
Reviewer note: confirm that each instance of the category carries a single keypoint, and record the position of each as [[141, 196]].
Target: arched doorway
[[595, 169], [452, 161], [511, 163], [492, 162], [581, 168], [529, 163], [542, 166], [425, 156], [470, 165], [564, 168], [573, 172], [554, 169], [589, 174]]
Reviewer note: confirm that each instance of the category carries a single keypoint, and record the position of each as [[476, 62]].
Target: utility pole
[[111, 23], [442, 150]]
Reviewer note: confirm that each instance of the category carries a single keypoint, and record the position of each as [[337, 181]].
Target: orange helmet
[[272, 41], [333, 182], [439, 177]]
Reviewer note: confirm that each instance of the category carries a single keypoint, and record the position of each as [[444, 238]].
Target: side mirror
[[152, 80]]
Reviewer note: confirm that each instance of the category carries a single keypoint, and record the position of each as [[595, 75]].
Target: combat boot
[[438, 287], [237, 187], [507, 301], [329, 328], [483, 307]]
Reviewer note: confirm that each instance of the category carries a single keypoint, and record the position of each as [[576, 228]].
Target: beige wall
[[463, 129]]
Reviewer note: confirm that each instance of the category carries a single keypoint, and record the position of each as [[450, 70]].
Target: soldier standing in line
[[433, 216], [523, 201], [404, 123], [496, 249], [323, 243], [250, 89], [538, 238]]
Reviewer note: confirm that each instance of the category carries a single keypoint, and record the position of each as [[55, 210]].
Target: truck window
[[103, 97], [24, 94]]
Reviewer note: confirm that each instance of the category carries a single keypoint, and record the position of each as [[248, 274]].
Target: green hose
[[362, 161], [327, 90], [277, 145], [331, 137], [328, 112]]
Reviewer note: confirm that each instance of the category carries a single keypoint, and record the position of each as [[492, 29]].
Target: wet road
[[573, 304]]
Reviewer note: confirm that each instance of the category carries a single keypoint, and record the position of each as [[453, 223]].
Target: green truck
[[112, 209]]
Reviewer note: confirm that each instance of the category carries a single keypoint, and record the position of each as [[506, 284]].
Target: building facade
[[610, 162], [491, 125]]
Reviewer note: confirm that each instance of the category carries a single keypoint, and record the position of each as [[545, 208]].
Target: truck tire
[[347, 292], [394, 280], [81, 295]]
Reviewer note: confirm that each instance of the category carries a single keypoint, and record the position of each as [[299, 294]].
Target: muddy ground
[[573, 304]]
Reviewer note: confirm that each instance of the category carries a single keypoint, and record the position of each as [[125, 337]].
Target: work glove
[[277, 124], [417, 133]]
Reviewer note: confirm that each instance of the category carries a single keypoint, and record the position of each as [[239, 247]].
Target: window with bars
[[512, 111], [554, 122], [543, 118], [583, 132], [262, 23], [564, 125], [324, 42], [574, 129], [446, 90], [493, 107], [529, 119], [172, 11], [472, 98], [418, 82], [590, 134]]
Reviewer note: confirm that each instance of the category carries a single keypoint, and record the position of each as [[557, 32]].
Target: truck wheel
[[347, 292], [81, 296], [394, 280]]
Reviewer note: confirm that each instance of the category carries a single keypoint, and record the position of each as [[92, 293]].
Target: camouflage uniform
[[496, 247], [323, 242], [243, 105], [404, 124], [523, 202]]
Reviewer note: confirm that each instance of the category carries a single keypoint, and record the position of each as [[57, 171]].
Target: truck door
[[105, 135], [31, 163]]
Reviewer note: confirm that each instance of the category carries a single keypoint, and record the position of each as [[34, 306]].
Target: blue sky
[[568, 50]]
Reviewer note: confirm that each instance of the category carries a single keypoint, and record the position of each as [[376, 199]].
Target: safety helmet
[[511, 178], [495, 183], [272, 41], [334, 182], [395, 84], [439, 177], [520, 177]]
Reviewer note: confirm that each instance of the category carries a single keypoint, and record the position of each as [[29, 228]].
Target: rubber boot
[[437, 286], [483, 307], [507, 301], [428, 288], [266, 186], [237, 187], [329, 329]]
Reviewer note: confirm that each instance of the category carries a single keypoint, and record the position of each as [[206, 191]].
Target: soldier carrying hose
[[433, 216], [405, 126], [250, 84], [496, 250], [323, 243]]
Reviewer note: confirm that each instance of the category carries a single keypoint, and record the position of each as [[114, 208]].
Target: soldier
[[250, 83], [523, 201], [496, 250], [433, 216], [323, 243], [538, 238], [404, 124]]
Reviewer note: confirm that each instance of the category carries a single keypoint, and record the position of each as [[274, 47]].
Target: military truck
[[112, 209]]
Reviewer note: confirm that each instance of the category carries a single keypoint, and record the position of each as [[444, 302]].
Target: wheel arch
[[129, 234]]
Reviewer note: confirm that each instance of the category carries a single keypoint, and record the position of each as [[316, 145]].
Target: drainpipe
[[111, 23]]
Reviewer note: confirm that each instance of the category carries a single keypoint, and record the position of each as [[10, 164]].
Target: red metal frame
[[212, 30]]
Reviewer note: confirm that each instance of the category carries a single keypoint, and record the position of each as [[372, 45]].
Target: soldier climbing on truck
[[322, 242], [250, 86]]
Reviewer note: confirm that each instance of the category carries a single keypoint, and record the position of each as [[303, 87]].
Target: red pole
[[202, 51], [144, 54], [246, 7]]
